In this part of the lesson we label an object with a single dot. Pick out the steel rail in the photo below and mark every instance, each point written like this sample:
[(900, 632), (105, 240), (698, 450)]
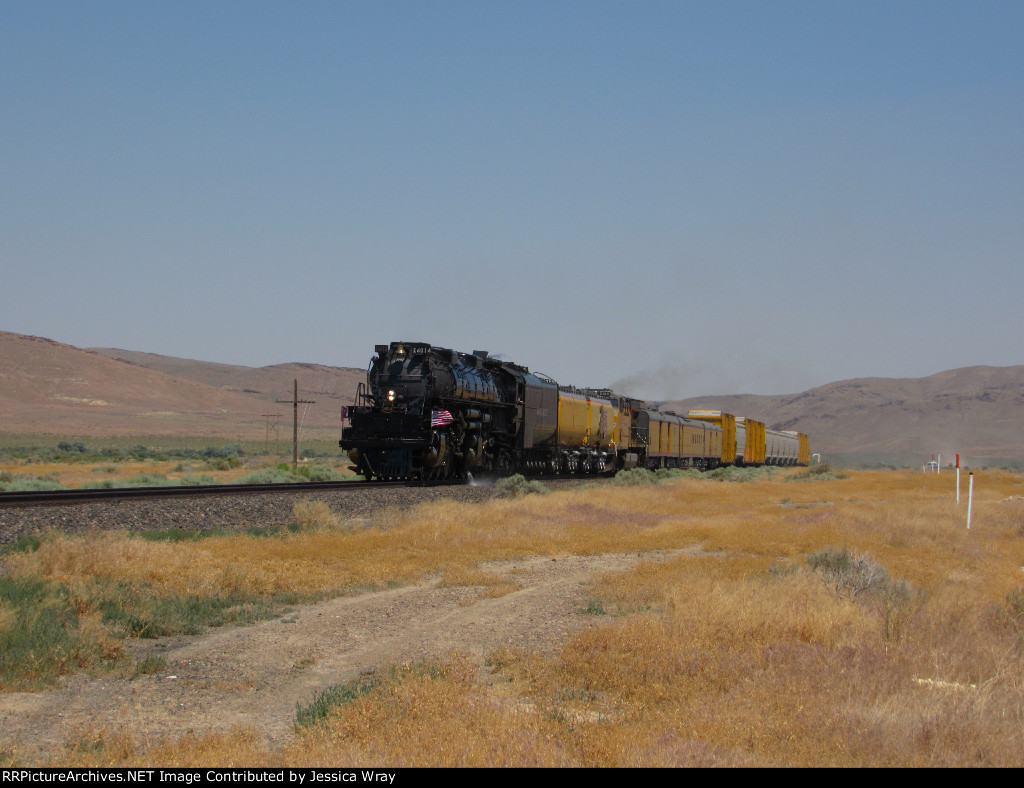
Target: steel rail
[(78, 495), (85, 495)]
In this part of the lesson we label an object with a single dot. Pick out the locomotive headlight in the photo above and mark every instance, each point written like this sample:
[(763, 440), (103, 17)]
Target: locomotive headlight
[(391, 395)]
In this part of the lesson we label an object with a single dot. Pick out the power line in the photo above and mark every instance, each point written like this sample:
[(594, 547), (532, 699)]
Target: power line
[(276, 427)]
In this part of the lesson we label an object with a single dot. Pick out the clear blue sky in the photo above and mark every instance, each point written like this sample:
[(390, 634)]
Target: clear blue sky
[(676, 198)]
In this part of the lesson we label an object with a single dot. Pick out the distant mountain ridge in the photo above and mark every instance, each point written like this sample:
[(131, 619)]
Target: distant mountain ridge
[(50, 388), (328, 387)]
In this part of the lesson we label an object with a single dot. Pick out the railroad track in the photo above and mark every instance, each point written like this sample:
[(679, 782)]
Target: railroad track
[(79, 495), (38, 497), (215, 508), (221, 507)]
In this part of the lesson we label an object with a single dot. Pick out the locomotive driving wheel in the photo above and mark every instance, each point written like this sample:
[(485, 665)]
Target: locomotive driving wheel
[(505, 464), (443, 466)]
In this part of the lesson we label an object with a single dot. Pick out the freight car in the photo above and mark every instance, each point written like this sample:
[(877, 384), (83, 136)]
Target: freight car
[(429, 412)]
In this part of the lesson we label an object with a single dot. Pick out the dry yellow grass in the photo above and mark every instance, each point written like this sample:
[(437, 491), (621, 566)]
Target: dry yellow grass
[(733, 653)]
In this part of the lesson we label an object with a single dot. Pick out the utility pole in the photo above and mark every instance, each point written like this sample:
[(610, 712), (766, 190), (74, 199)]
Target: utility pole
[(295, 401)]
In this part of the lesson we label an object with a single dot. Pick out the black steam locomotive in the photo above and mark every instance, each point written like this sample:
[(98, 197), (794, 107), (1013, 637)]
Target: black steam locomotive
[(431, 413)]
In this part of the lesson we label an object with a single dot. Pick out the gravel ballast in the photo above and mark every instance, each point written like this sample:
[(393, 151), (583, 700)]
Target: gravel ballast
[(204, 512)]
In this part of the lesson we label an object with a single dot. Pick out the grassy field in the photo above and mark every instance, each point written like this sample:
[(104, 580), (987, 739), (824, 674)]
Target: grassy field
[(26, 447), (851, 621), (33, 462), (49, 475)]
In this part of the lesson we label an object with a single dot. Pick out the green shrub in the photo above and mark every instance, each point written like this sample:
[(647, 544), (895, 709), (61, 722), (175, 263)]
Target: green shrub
[(148, 480), (517, 485), (820, 472), (859, 577), (283, 474), (324, 473), (22, 482), (223, 463), (737, 473), (276, 475), (635, 477), (102, 484), (728, 473), (639, 476), (195, 481), (848, 575), (233, 451)]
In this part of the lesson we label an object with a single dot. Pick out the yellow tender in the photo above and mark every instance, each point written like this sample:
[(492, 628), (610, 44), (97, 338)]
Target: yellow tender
[(584, 420)]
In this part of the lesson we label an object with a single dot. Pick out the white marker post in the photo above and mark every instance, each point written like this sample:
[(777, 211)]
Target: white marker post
[(958, 477), (938, 467), (970, 497)]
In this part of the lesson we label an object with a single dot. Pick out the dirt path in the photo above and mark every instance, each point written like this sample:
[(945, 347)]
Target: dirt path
[(255, 676)]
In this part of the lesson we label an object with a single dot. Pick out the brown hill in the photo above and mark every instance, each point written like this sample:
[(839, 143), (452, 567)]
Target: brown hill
[(976, 411), (328, 387), (51, 388)]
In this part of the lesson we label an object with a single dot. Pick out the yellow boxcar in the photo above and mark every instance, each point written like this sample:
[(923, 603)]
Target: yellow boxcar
[(589, 421), (727, 422)]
